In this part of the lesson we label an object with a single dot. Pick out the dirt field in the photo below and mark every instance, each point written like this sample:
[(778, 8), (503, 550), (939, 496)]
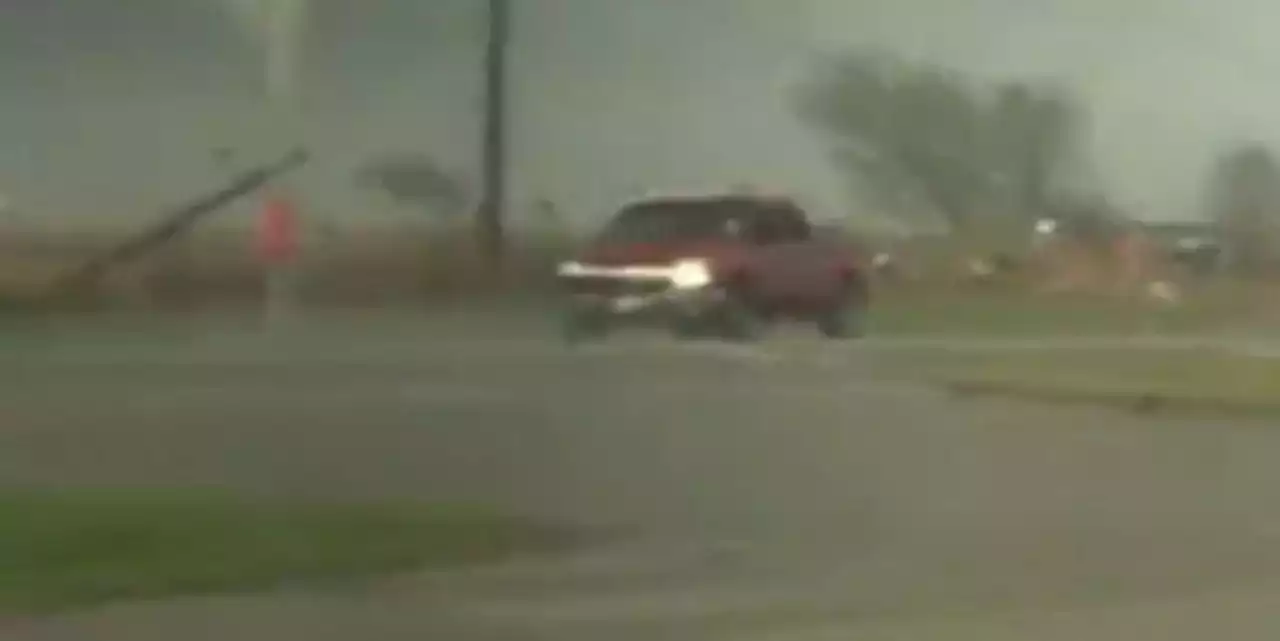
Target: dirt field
[(783, 491)]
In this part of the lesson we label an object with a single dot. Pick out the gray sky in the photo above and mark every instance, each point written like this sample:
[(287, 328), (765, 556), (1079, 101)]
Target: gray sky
[(110, 107)]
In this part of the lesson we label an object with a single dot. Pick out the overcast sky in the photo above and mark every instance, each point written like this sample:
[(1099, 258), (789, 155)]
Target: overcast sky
[(108, 109)]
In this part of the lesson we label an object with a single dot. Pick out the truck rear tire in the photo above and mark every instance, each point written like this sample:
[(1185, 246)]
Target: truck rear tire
[(847, 318)]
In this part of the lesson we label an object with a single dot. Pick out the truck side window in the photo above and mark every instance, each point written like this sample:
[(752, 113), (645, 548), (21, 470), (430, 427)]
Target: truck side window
[(789, 225), (799, 227), (765, 228)]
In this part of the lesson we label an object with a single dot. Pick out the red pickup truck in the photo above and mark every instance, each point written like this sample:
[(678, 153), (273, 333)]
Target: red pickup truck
[(721, 265)]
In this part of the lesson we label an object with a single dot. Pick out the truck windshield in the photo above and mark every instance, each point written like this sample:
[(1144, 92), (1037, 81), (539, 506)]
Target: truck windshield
[(656, 222)]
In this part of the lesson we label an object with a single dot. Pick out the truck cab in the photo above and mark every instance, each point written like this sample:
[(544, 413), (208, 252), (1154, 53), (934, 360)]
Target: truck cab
[(722, 264)]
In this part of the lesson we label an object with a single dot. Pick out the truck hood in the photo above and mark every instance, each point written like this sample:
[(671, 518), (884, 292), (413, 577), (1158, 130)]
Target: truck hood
[(646, 254)]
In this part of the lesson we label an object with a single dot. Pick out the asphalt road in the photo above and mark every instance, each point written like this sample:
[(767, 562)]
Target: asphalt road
[(784, 491)]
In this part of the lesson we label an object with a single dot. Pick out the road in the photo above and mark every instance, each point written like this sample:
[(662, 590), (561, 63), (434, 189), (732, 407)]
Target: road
[(777, 492)]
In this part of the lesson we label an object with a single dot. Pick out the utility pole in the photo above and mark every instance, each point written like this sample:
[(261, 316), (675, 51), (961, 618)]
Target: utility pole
[(489, 224), (283, 29)]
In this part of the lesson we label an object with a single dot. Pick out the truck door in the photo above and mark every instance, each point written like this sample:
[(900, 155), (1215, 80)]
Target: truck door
[(788, 271)]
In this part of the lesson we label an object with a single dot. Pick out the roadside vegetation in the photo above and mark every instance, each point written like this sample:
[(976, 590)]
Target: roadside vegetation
[(1019, 312), (61, 549), (1192, 381)]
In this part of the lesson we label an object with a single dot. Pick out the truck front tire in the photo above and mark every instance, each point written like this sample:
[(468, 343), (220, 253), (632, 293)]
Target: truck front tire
[(579, 325), (739, 320)]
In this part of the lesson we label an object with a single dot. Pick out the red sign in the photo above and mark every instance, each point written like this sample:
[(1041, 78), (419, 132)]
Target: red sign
[(278, 230)]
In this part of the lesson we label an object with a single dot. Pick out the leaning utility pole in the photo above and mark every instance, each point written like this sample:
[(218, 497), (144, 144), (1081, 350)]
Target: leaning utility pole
[(489, 224)]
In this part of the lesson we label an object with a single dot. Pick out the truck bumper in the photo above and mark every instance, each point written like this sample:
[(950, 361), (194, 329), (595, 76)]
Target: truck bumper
[(665, 307)]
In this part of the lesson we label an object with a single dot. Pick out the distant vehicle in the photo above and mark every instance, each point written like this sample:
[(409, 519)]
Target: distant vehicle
[(718, 265), (1202, 256)]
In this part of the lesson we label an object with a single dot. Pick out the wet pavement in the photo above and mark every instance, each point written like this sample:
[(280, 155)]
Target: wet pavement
[(779, 491)]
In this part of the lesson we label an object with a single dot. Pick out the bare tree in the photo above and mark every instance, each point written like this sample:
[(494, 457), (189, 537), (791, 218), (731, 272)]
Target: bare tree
[(415, 180), (918, 133), (1243, 194), (1034, 133)]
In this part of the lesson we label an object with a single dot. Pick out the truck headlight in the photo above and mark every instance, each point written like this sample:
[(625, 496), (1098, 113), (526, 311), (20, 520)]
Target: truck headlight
[(570, 268), (690, 274)]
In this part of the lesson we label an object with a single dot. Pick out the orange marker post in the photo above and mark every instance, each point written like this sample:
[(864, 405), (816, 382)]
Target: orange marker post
[(277, 245)]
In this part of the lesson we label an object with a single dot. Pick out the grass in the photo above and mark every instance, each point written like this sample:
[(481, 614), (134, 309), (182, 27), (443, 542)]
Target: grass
[(1175, 381), (1012, 313), (65, 549)]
